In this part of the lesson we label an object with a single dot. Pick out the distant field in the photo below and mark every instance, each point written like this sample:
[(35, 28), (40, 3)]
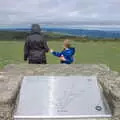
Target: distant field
[(86, 53)]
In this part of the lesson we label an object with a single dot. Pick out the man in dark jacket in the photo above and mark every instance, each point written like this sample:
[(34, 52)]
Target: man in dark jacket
[(35, 47)]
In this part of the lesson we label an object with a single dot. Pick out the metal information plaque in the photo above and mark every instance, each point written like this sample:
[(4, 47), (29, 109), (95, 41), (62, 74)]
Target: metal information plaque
[(61, 97)]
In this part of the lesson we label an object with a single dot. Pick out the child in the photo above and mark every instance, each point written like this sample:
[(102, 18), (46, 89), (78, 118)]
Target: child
[(66, 56)]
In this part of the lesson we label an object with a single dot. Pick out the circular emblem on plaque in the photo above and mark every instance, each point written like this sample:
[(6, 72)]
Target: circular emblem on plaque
[(98, 108)]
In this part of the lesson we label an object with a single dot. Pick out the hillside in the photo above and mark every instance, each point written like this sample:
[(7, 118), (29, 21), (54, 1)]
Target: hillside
[(52, 36)]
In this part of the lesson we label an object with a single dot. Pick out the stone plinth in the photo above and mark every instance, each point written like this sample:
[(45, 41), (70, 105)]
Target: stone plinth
[(12, 75)]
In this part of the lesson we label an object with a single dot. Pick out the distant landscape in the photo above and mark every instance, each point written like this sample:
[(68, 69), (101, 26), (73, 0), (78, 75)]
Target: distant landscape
[(89, 49), (112, 34)]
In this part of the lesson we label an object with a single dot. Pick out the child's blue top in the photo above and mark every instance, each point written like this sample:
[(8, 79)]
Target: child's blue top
[(68, 55)]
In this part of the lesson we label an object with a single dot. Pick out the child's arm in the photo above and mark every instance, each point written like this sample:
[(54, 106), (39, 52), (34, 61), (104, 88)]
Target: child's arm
[(62, 58), (57, 54)]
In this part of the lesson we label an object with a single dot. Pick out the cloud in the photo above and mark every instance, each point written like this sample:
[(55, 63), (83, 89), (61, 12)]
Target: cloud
[(25, 12)]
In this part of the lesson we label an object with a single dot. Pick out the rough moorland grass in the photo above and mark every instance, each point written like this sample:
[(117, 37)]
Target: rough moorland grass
[(88, 53)]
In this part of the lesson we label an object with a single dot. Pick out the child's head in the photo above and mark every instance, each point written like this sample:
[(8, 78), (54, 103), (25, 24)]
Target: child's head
[(67, 43)]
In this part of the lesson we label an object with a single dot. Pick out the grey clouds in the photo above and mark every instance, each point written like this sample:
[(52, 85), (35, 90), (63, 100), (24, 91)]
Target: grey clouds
[(48, 12)]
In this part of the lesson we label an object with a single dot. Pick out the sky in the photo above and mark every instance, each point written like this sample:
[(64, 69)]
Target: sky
[(60, 12)]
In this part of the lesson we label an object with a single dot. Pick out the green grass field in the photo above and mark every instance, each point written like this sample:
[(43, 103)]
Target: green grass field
[(86, 53)]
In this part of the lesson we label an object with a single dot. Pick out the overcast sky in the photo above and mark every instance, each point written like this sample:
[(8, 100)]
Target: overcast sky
[(71, 12)]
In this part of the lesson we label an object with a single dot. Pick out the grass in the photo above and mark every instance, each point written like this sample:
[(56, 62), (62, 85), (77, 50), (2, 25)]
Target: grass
[(86, 53)]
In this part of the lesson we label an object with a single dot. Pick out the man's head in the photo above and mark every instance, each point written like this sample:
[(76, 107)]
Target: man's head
[(36, 28), (67, 43)]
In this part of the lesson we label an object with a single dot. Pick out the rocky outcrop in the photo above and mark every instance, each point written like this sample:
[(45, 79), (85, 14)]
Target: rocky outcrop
[(11, 77)]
